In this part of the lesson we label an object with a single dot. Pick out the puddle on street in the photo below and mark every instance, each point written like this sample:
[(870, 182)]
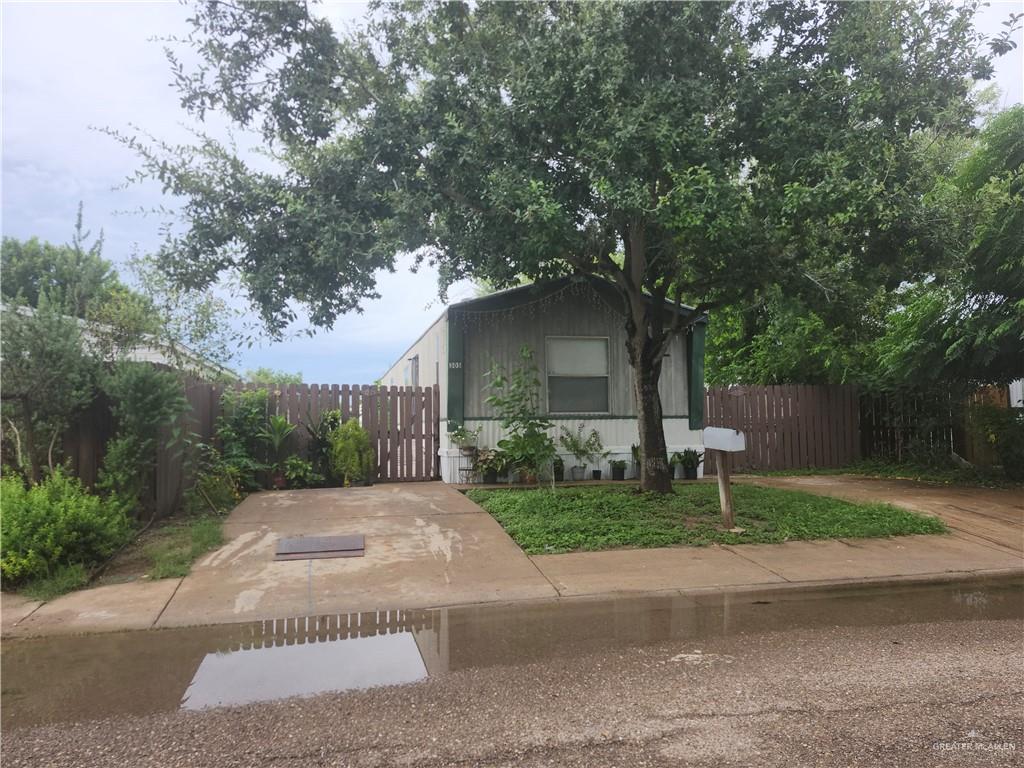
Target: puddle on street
[(83, 677)]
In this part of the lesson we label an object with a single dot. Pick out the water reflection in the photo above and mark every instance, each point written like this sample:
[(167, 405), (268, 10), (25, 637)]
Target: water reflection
[(93, 676)]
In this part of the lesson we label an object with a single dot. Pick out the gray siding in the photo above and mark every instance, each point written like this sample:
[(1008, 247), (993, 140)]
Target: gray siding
[(499, 336)]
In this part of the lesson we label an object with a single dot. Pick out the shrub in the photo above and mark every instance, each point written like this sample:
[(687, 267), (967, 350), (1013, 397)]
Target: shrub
[(242, 420), (352, 457), (56, 523), (1003, 429), (144, 401), (320, 432), (300, 473)]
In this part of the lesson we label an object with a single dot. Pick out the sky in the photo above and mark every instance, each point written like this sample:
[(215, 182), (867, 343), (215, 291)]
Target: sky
[(70, 67)]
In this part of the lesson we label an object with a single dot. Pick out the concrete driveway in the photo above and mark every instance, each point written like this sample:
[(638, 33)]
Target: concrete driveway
[(426, 545)]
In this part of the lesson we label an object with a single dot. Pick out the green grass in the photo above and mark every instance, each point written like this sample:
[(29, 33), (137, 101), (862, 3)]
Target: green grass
[(586, 519), (973, 477), (180, 545), (66, 578)]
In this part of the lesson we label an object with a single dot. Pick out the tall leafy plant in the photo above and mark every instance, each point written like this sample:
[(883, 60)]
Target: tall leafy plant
[(145, 402), (515, 397)]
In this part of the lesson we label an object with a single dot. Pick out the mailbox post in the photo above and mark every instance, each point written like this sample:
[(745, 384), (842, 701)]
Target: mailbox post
[(723, 442)]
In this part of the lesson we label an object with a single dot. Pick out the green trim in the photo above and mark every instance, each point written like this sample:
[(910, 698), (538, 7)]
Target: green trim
[(695, 373), (580, 417), (456, 372)]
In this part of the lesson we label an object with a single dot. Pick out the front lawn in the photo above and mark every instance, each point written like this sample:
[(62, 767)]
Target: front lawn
[(604, 517)]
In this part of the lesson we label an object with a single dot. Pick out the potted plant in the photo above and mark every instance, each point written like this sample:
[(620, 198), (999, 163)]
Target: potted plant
[(588, 449), (465, 439), (486, 464), (558, 469), (618, 469), (274, 434), (689, 460)]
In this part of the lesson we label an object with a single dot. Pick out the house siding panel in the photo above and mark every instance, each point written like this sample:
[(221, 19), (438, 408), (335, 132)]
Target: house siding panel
[(499, 338), (432, 349)]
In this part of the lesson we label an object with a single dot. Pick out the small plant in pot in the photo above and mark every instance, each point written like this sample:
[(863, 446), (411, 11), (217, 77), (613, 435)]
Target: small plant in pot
[(558, 469), (689, 460), (274, 433), (487, 463), (585, 449), (618, 469), (464, 438)]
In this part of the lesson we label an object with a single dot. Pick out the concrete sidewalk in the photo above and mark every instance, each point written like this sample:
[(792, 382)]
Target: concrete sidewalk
[(429, 546)]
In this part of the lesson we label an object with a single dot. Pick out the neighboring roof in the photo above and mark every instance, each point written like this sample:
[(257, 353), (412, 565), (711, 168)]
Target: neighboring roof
[(151, 351), (523, 294)]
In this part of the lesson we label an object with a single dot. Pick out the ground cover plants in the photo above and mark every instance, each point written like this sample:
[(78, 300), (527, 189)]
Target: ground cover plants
[(606, 517)]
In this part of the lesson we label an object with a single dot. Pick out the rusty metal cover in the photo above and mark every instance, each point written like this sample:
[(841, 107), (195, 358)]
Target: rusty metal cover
[(309, 547)]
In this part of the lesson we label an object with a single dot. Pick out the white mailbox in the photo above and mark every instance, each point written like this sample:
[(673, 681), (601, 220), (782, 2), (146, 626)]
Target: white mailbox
[(723, 439)]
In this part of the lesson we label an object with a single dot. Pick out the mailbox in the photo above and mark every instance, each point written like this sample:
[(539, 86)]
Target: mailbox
[(723, 439)]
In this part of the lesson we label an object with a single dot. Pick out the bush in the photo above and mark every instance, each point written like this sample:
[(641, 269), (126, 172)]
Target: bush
[(300, 473), (1003, 429), (54, 524), (239, 428), (217, 484), (352, 458)]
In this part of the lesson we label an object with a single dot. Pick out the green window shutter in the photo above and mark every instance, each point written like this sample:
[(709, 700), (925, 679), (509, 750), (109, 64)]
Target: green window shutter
[(456, 372), (695, 373)]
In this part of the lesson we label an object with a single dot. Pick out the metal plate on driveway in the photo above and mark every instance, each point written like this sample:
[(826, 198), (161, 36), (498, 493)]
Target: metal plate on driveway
[(317, 547)]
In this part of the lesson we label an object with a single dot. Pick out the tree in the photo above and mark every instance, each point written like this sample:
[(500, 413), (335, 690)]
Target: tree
[(73, 276), (272, 378), (47, 379), (715, 145)]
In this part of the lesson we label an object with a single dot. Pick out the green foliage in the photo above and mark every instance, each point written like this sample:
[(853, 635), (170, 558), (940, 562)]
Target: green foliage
[(173, 553), (570, 519), (145, 401), (618, 463), (300, 473), (64, 579), (1003, 429), (243, 418), (690, 458), (46, 379), (586, 449), (515, 397), (275, 433), (55, 523), (218, 484), (73, 277), (319, 446), (272, 378), (462, 436), (352, 457)]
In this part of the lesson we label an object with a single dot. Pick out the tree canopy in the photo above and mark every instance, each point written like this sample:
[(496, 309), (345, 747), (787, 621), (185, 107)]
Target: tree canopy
[(718, 146)]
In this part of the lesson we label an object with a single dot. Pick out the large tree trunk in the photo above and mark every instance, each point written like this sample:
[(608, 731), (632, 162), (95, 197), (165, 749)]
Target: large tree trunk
[(644, 343)]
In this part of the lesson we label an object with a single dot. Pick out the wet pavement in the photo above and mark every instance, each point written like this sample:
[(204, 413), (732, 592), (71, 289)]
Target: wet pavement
[(126, 674)]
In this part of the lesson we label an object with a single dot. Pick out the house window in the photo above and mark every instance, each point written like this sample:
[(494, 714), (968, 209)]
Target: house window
[(577, 368)]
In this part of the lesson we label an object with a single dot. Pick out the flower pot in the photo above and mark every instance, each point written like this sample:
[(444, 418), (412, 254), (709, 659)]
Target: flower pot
[(467, 450), (577, 473), (596, 474), (277, 480), (559, 473), (689, 473), (491, 476), (618, 473), (528, 478)]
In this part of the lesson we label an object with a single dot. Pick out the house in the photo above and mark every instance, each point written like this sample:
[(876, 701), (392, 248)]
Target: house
[(575, 327)]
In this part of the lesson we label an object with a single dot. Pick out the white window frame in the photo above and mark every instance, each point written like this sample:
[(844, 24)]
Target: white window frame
[(548, 375)]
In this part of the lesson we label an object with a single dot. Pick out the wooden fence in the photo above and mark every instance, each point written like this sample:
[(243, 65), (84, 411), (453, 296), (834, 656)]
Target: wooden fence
[(402, 423), (789, 426)]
